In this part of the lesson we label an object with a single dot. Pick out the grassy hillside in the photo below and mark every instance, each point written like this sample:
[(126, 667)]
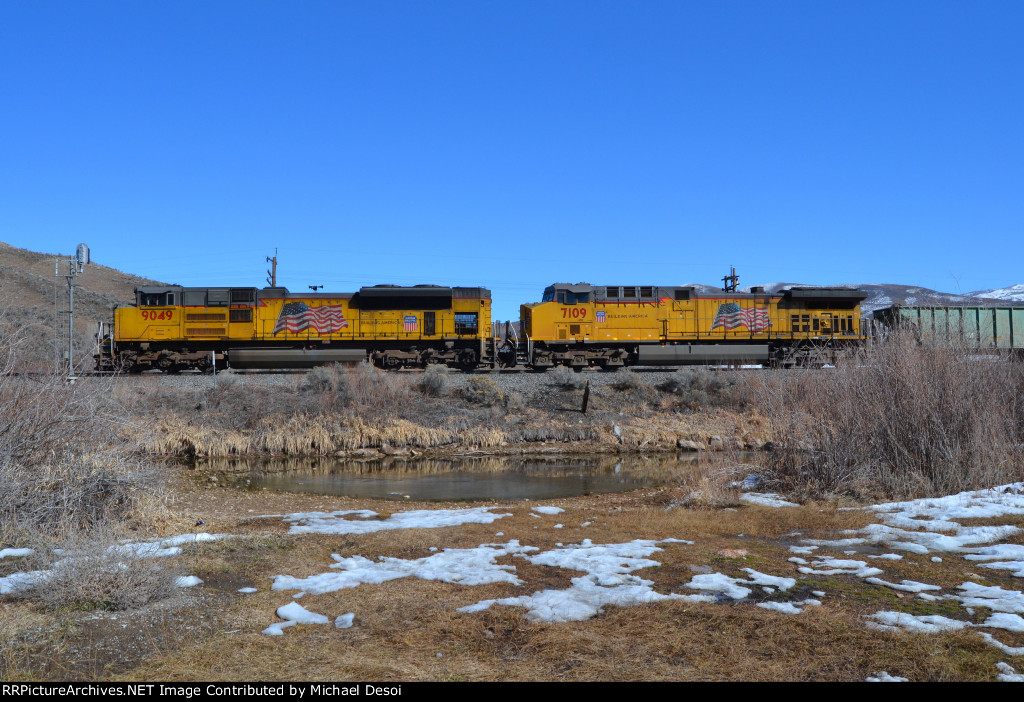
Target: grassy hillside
[(28, 289)]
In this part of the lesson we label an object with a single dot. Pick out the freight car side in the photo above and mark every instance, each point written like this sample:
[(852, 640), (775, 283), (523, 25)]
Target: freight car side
[(984, 328)]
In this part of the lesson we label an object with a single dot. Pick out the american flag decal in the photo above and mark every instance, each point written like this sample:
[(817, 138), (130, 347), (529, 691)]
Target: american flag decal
[(732, 316), (410, 323), (298, 316)]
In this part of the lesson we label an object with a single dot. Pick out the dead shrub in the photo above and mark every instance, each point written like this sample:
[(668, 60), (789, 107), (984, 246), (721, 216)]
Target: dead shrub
[(64, 469), (434, 382), (903, 419), (628, 381), (91, 575), (514, 402), (713, 487), (481, 390), (565, 378), (337, 388), (71, 494), (697, 387)]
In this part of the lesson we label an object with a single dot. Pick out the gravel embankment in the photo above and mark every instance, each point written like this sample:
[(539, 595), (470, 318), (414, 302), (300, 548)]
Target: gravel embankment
[(525, 383)]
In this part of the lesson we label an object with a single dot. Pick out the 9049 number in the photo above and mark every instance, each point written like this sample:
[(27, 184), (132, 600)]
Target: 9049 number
[(165, 315)]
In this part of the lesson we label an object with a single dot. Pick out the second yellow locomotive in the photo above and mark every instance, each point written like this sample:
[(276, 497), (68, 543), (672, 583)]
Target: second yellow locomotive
[(611, 326)]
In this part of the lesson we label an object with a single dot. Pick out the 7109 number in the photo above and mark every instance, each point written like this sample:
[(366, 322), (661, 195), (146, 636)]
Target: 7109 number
[(165, 315), (574, 312)]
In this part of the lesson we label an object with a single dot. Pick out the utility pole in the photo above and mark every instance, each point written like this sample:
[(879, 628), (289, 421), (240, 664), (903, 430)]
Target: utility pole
[(272, 273), (730, 281), (76, 266)]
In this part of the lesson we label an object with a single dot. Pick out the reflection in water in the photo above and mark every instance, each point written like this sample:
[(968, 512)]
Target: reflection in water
[(460, 478)]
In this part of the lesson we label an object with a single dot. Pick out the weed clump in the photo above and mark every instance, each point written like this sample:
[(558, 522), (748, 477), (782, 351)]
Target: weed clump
[(566, 378), (363, 386), (481, 390), (434, 382), (93, 576), (627, 381), (696, 387)]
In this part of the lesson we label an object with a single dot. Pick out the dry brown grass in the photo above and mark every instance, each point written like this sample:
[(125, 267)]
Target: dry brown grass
[(63, 468), (402, 625)]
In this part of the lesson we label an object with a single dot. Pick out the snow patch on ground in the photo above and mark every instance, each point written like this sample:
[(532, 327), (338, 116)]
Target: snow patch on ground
[(923, 624), (837, 566), (160, 548), (543, 509), (464, 566), (789, 607), (608, 580), (905, 585), (1008, 674), (767, 499), (293, 613), (14, 552), (723, 587), (340, 523)]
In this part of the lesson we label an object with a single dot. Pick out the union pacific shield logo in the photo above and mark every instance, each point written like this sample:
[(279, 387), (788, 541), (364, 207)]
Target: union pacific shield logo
[(298, 316), (410, 323), (732, 316)]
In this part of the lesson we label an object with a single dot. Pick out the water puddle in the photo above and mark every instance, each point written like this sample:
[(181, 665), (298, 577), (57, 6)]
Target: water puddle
[(460, 478)]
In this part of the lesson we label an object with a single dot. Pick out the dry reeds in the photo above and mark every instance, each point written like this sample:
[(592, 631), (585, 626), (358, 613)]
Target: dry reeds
[(901, 419), (63, 468)]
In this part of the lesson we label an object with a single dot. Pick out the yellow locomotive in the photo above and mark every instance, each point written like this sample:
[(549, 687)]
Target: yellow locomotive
[(175, 328), (611, 326)]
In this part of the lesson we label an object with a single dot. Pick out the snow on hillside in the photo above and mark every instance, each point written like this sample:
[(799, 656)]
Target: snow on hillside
[(882, 295), (1013, 293)]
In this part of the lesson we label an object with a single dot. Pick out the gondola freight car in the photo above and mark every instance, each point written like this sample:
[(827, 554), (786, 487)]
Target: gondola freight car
[(984, 328)]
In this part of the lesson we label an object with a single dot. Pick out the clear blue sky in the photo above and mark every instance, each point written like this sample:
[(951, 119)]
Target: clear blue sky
[(513, 144)]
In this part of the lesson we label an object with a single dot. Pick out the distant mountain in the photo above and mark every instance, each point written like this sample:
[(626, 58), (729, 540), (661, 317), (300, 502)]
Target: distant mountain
[(1014, 293), (882, 295)]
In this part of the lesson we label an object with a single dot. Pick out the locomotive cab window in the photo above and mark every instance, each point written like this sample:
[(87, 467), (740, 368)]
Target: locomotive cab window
[(465, 324), (612, 293), (156, 299)]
